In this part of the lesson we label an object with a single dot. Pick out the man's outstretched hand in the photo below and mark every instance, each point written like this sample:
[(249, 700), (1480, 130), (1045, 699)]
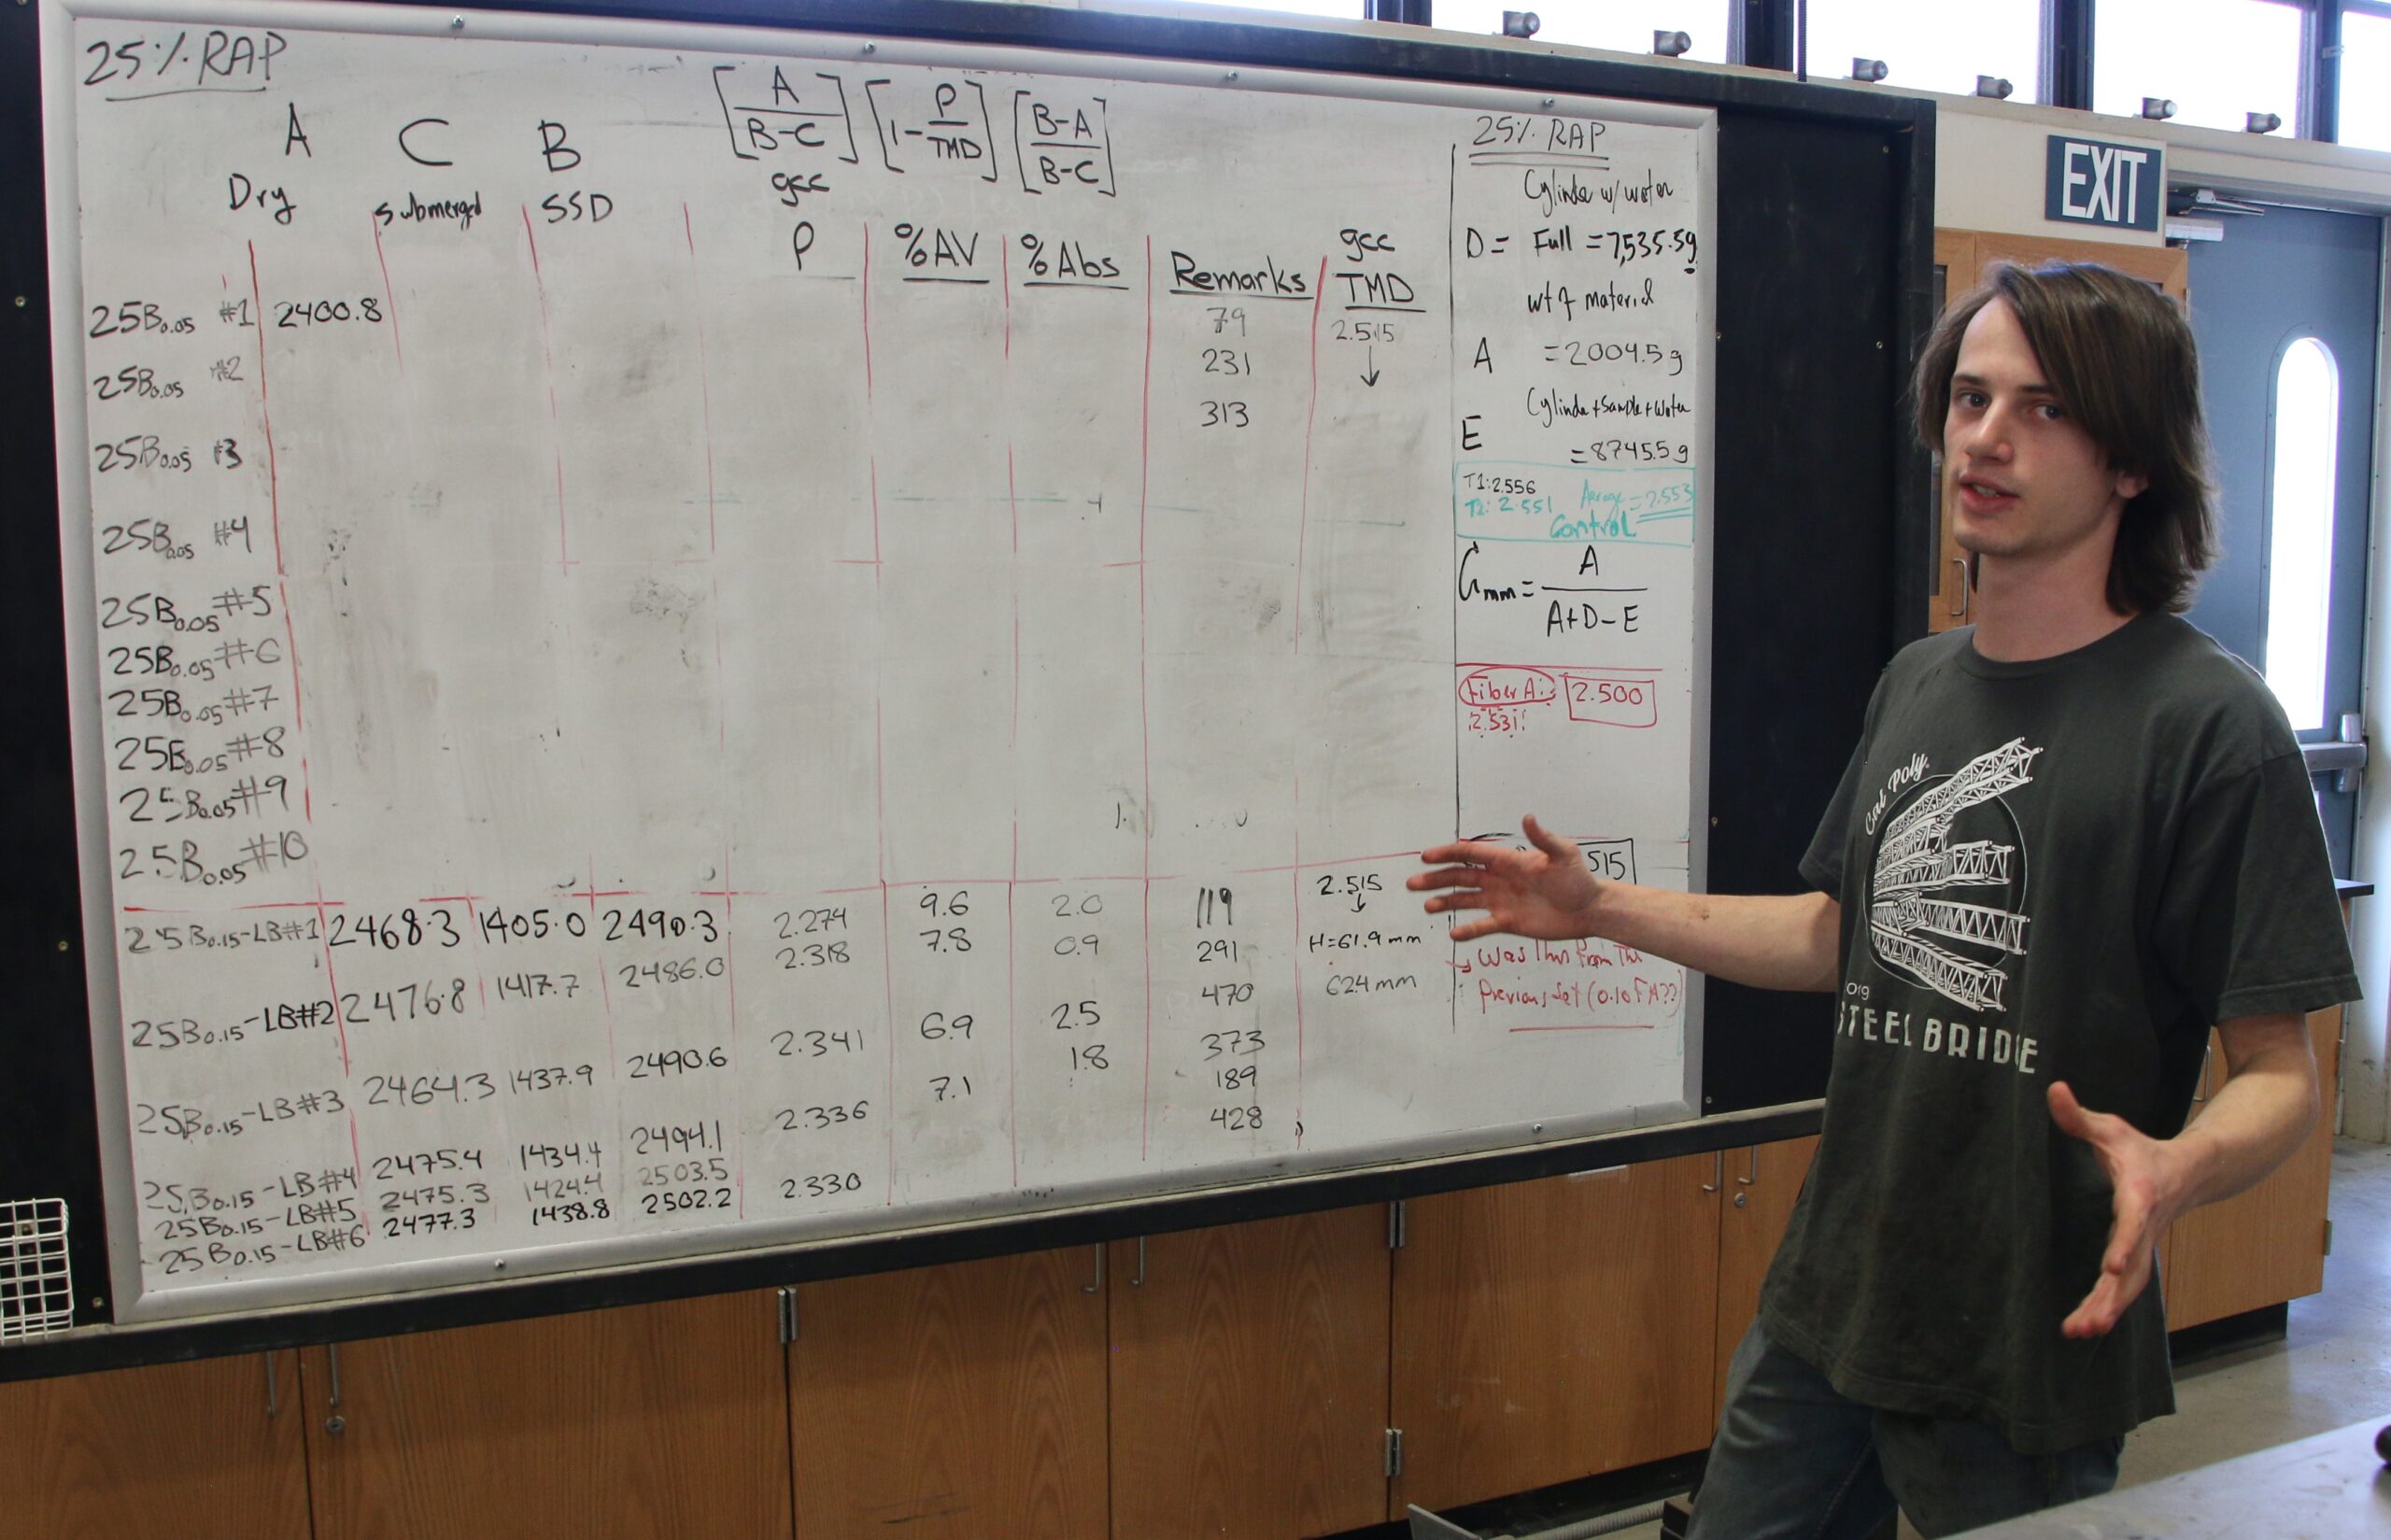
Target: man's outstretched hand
[(1546, 892), (2142, 1203)]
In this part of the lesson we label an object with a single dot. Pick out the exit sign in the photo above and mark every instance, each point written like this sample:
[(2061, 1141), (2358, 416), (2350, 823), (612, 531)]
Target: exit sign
[(2090, 181)]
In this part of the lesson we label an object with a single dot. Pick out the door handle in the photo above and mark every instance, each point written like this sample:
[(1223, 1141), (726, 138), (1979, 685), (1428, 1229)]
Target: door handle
[(336, 1423)]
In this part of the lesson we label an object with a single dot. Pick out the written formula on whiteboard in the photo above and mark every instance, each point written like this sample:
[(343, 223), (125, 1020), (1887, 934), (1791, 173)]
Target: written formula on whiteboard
[(694, 648)]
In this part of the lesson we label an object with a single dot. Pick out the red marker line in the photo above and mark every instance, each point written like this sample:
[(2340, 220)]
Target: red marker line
[(273, 501), (388, 299), (728, 894), (1012, 739), (1145, 727), (547, 355), (474, 929), (1592, 1026), (1311, 412), (265, 406), (1294, 881), (1315, 866), (605, 989), (887, 934), (298, 700), (1100, 877), (1012, 1071), (339, 1017), (705, 407)]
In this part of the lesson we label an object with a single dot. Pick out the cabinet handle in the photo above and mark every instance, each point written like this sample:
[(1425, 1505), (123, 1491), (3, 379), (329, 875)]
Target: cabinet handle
[(1959, 610), (1139, 1281), (1751, 1169), (1097, 1287), (1718, 1171), (336, 1423), (2202, 1093), (273, 1399)]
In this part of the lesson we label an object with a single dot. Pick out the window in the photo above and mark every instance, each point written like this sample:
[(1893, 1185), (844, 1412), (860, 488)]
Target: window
[(2299, 528), (2366, 80), (2217, 60), (1931, 47), (1624, 26)]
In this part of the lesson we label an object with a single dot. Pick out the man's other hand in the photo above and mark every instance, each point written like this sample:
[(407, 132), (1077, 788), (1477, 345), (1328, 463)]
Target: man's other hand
[(1547, 891), (2143, 1201)]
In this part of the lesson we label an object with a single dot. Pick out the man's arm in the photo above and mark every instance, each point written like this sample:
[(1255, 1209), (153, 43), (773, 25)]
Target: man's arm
[(2266, 1107), (1547, 892)]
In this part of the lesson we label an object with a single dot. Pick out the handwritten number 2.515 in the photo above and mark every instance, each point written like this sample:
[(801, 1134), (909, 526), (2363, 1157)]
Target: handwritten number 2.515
[(1225, 413)]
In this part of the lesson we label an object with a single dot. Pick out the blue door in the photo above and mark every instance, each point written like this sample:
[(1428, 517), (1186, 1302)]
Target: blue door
[(2284, 308)]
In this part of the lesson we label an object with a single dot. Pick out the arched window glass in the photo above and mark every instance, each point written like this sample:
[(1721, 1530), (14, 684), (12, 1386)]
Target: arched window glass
[(2299, 528)]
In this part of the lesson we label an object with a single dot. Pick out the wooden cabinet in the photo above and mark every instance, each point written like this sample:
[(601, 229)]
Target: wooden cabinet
[(1961, 257), (649, 1424), (2267, 1245), (951, 1403), (1550, 1329), (172, 1451), (1249, 1378), (1758, 1185)]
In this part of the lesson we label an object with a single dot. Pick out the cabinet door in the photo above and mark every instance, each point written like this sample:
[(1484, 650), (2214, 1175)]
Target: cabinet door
[(2267, 1245), (1552, 1329), (1250, 1379), (952, 1402), (1760, 1183), (661, 1420), (174, 1451)]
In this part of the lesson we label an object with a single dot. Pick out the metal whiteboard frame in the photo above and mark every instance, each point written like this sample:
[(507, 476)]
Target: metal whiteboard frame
[(717, 1243)]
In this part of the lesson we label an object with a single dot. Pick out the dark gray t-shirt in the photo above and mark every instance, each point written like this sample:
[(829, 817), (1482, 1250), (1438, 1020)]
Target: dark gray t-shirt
[(2068, 869)]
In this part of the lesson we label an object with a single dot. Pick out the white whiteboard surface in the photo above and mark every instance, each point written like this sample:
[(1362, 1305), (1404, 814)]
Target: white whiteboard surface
[(687, 640)]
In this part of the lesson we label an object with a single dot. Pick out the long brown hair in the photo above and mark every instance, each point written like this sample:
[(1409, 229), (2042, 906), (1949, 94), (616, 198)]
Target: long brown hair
[(2120, 356)]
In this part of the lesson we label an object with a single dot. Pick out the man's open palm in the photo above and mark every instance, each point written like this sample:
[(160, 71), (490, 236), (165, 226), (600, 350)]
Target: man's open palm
[(1546, 892), (2139, 1210)]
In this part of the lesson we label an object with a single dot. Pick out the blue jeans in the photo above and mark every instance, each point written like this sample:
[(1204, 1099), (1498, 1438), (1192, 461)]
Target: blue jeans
[(1796, 1459)]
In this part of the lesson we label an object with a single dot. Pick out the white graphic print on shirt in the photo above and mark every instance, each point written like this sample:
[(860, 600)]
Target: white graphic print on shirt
[(1924, 854)]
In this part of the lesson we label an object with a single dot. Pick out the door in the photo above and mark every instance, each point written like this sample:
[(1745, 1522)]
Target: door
[(1760, 1183), (1249, 1372), (654, 1422), (952, 1403), (1549, 1330), (210, 1450), (2281, 286)]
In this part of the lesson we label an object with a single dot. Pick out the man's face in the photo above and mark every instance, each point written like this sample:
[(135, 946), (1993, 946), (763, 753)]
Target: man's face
[(2019, 478)]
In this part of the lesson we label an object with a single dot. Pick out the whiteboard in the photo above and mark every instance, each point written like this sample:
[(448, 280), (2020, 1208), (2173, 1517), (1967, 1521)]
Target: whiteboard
[(690, 640)]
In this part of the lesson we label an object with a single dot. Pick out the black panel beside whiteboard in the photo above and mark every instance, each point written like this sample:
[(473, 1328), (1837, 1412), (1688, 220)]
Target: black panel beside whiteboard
[(862, 644)]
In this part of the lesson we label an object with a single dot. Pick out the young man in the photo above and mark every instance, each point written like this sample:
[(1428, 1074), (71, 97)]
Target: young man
[(2072, 839)]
